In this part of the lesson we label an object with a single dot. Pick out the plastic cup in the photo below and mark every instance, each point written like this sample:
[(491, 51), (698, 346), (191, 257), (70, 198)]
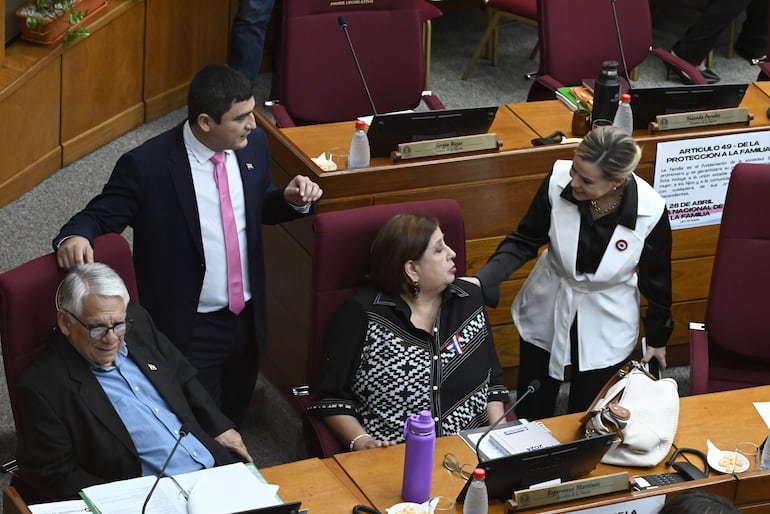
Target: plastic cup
[(441, 505), (338, 158), (750, 452)]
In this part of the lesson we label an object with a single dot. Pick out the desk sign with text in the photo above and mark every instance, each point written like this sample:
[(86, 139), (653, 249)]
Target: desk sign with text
[(692, 174), (572, 490), (700, 119), (445, 146)]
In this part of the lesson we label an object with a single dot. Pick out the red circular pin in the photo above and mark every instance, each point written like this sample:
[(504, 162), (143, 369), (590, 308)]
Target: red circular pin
[(621, 245)]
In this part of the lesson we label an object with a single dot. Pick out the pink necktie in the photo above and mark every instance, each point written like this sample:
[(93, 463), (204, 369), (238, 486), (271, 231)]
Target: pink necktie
[(234, 275)]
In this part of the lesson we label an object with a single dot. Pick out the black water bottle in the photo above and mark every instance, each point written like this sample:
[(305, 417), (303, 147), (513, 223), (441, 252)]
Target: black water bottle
[(606, 94)]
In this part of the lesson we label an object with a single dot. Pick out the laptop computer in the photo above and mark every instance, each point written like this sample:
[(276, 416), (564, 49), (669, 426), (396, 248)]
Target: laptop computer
[(647, 103), (566, 461), (388, 130)]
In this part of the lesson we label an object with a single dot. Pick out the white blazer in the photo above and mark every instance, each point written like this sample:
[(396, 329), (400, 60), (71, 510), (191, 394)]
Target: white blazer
[(606, 302)]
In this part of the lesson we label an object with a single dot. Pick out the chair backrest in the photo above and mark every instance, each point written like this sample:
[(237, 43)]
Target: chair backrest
[(739, 296), (341, 258), (319, 78), (27, 305), (576, 37)]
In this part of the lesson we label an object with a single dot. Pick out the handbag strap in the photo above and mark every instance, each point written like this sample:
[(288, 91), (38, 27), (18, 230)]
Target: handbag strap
[(618, 411)]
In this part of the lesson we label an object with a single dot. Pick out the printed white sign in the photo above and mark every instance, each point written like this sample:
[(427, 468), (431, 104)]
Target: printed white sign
[(692, 174)]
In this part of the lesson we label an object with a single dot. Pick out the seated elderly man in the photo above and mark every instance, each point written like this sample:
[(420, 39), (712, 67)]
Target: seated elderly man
[(108, 399)]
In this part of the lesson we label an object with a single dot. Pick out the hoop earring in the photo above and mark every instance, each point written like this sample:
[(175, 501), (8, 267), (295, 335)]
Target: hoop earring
[(415, 289)]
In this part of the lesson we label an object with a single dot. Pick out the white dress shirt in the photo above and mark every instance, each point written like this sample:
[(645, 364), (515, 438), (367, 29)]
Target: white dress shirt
[(214, 292)]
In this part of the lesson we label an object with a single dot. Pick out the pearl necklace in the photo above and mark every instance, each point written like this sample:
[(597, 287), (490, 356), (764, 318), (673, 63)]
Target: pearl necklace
[(614, 204)]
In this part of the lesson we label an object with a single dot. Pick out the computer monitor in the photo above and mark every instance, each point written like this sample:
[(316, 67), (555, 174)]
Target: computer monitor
[(566, 461), (387, 131), (647, 103)]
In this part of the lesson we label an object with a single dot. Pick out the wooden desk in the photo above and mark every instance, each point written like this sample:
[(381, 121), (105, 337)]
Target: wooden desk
[(321, 485), (373, 477), (494, 191), (378, 472)]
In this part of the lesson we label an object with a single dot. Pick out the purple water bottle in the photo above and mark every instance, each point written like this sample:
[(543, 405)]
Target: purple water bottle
[(420, 436)]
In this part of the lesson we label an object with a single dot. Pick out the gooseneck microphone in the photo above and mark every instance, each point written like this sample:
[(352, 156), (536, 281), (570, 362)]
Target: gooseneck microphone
[(182, 433), (343, 23), (531, 388), (620, 43)]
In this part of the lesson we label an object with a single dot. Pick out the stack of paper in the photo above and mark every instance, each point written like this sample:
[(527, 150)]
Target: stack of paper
[(220, 490), (522, 438)]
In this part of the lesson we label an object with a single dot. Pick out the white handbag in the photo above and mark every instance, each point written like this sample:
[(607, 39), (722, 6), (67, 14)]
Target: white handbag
[(643, 411)]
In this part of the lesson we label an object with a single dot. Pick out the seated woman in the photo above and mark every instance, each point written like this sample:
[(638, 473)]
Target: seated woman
[(417, 339)]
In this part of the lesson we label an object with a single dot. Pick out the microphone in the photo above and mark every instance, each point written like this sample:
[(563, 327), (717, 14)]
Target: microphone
[(182, 433), (620, 43), (343, 23), (531, 388)]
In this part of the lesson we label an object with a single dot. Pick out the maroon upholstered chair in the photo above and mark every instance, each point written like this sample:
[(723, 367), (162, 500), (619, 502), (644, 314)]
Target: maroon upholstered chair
[(319, 78), (28, 311), (524, 11), (575, 37), (732, 350), (340, 268)]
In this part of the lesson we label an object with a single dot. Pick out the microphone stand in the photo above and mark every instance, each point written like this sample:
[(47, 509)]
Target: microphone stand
[(182, 433), (620, 43), (343, 23), (531, 388)]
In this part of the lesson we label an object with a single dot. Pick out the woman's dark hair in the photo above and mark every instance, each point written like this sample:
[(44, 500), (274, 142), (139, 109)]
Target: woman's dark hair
[(214, 89), (402, 238), (698, 502)]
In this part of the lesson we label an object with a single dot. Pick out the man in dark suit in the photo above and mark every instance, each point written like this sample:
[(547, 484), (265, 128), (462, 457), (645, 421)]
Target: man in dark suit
[(108, 399), (166, 190)]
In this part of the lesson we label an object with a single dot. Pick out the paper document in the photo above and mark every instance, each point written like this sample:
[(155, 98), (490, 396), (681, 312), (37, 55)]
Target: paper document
[(62, 507), (522, 438), (764, 410), (491, 449), (220, 490)]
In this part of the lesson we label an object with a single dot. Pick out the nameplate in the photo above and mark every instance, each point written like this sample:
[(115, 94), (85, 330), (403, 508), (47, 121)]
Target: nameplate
[(572, 490), (445, 146), (700, 119)]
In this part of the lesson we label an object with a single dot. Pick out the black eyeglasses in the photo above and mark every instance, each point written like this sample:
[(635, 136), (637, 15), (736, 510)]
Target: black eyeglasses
[(452, 463), (97, 332)]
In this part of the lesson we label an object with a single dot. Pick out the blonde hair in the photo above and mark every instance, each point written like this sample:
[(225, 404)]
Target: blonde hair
[(615, 152)]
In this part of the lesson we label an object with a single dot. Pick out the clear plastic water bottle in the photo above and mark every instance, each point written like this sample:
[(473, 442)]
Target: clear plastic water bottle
[(476, 498), (358, 155), (606, 93), (420, 436), (624, 118)]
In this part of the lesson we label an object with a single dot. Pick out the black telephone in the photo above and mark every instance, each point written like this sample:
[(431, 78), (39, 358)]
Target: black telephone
[(685, 471)]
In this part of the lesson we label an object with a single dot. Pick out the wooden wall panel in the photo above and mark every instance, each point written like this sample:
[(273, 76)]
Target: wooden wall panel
[(101, 102), (31, 108), (180, 38)]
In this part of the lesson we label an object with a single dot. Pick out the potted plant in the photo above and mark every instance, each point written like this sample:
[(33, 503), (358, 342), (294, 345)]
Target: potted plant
[(50, 21)]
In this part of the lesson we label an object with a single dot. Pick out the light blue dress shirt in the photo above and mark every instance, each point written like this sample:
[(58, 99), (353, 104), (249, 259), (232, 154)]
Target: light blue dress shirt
[(153, 427)]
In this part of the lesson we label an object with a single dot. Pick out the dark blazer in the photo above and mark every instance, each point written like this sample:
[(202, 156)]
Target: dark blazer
[(151, 190), (70, 434)]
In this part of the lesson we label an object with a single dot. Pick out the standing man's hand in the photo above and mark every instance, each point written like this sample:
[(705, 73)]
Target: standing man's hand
[(301, 190), (73, 251), (232, 440)]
